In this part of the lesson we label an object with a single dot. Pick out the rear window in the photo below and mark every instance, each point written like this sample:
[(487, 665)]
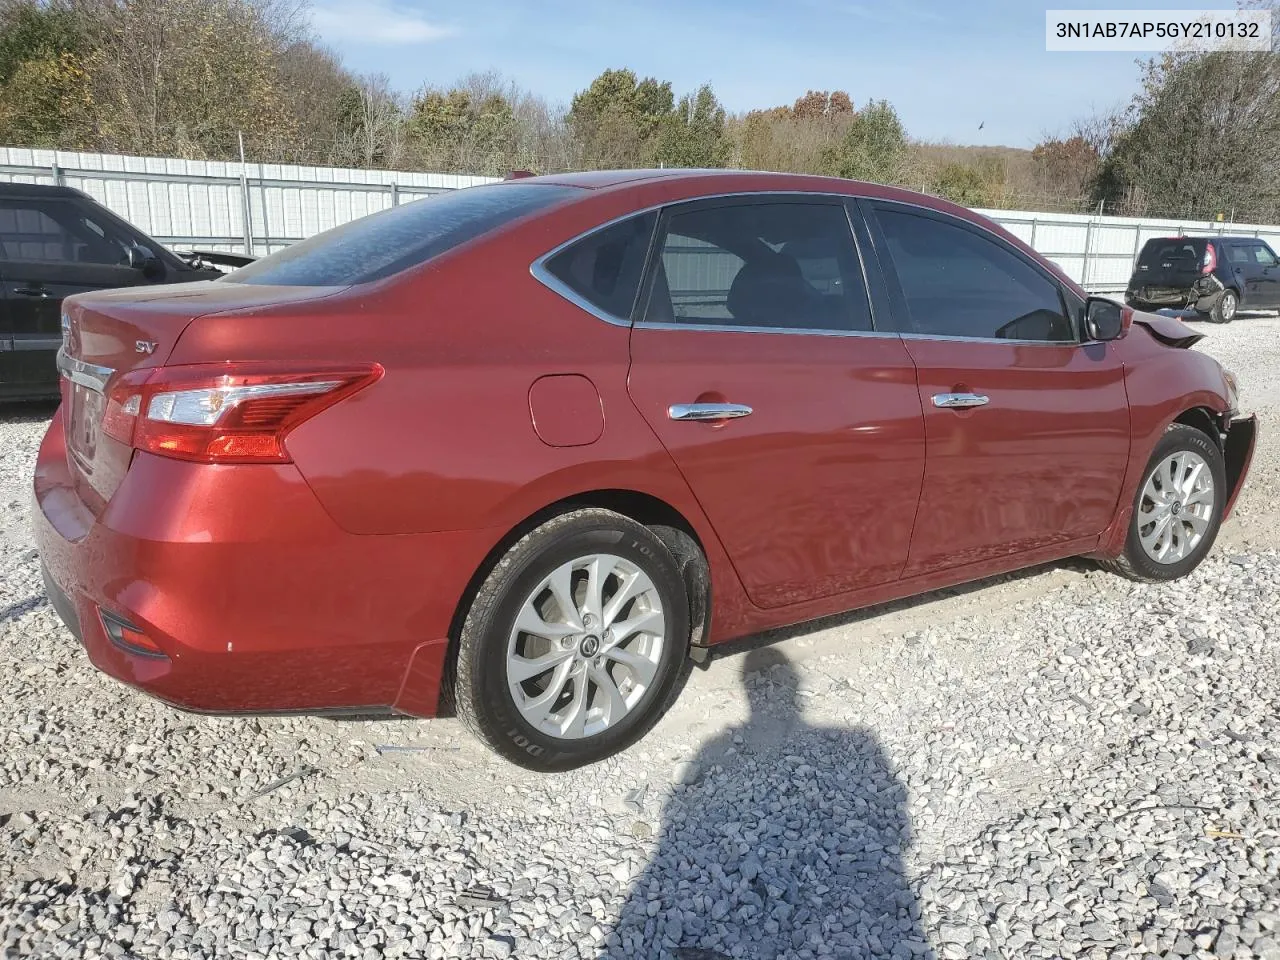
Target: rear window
[(384, 243), (1167, 250)]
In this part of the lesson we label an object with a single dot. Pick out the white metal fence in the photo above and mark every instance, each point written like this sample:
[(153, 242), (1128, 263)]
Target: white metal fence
[(258, 208), (1098, 252), (212, 205)]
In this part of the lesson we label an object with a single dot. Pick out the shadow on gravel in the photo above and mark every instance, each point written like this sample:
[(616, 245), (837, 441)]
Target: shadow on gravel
[(27, 411), (22, 607), (792, 838)]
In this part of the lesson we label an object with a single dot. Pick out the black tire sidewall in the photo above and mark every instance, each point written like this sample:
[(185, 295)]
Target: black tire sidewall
[(1179, 437), (507, 730), (1218, 315)]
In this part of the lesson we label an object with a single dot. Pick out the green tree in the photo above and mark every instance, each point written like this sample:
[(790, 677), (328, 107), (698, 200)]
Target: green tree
[(874, 146), (964, 184), (45, 100), (694, 135), (618, 119), (1201, 138), (458, 131)]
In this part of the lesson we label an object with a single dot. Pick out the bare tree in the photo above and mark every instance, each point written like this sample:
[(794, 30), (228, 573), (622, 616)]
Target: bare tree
[(375, 124), (319, 93), (1101, 129), (181, 76)]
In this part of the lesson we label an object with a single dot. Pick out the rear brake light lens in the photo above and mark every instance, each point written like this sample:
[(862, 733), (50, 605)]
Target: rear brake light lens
[(1210, 262), (225, 413)]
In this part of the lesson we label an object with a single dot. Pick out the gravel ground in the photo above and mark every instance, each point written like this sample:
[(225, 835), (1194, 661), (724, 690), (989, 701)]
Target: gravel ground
[(1055, 764)]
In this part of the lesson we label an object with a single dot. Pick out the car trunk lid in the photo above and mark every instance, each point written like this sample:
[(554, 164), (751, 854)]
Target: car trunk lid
[(110, 334)]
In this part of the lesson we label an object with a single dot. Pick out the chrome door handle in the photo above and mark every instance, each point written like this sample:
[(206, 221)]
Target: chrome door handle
[(958, 401), (39, 292), (708, 411)]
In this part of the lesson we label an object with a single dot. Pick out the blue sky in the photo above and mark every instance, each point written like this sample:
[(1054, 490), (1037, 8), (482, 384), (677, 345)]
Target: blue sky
[(946, 66)]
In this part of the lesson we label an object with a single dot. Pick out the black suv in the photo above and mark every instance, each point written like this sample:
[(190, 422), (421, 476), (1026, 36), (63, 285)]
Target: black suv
[(55, 241), (1214, 275)]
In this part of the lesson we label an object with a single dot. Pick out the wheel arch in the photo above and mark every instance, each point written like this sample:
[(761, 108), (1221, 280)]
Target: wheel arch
[(1234, 288), (671, 526), (1199, 415), (1204, 420)]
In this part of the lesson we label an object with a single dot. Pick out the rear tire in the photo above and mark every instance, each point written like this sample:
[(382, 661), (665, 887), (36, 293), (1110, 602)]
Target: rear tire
[(1224, 311), (1177, 510), (608, 619)]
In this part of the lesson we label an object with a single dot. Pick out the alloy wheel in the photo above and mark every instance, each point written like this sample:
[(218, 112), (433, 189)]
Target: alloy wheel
[(1176, 507), (585, 647)]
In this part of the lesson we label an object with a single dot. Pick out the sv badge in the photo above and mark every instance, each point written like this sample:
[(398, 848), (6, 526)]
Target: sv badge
[(144, 346)]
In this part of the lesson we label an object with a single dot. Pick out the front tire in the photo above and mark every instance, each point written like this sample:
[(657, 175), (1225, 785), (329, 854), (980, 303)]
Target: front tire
[(576, 642), (1178, 508)]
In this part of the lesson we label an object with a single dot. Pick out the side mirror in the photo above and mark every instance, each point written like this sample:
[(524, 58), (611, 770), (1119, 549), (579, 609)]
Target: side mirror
[(1105, 319), (144, 259)]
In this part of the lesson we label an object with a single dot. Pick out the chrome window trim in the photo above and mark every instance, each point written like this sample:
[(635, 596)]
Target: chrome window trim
[(1004, 243), (540, 272), (91, 375), (1011, 342), (544, 276), (553, 283), (969, 223), (804, 331)]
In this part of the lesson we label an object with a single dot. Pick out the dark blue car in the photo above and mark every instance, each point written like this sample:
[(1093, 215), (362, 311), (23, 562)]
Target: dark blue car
[(1216, 276)]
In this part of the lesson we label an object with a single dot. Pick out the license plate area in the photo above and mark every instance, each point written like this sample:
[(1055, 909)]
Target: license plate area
[(84, 425)]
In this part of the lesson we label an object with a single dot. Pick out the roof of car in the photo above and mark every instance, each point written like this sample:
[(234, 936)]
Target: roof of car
[(37, 190), (1219, 237), (603, 179)]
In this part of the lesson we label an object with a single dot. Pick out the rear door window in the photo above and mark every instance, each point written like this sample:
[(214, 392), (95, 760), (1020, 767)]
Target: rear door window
[(766, 264), (604, 267), (1239, 253), (384, 243)]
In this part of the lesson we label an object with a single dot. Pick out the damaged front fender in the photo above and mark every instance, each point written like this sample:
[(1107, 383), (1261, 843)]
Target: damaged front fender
[(1237, 451)]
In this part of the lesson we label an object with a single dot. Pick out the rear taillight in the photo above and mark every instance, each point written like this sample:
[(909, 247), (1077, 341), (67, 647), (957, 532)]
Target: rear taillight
[(225, 412), (1210, 261)]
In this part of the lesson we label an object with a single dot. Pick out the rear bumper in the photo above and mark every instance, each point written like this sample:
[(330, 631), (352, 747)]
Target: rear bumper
[(1202, 297), (258, 601)]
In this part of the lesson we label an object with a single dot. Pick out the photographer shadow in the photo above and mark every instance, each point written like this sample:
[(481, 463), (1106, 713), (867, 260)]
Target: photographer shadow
[(792, 839)]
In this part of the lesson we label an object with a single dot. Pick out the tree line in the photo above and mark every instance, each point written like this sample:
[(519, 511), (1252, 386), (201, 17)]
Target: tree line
[(190, 78)]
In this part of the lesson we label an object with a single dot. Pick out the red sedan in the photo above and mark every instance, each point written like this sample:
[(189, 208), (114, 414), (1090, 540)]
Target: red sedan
[(530, 448)]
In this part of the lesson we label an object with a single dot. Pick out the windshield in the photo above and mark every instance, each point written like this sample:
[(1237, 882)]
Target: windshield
[(384, 243)]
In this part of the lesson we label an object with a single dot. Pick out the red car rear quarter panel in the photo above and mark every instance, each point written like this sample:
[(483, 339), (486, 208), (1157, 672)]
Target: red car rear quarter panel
[(446, 440)]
